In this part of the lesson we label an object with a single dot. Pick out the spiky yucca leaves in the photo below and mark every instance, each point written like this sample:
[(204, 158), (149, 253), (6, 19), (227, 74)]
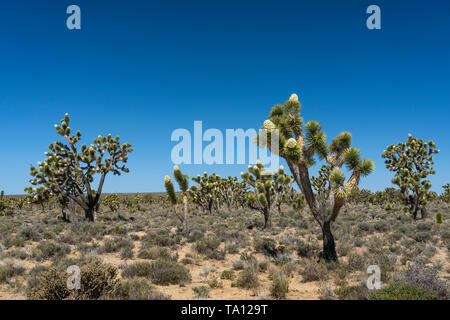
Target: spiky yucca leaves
[(40, 196), (412, 162), (283, 184), (183, 182), (232, 192), (301, 146), (112, 201), (207, 193), (445, 196), (70, 171), (266, 190), (3, 204)]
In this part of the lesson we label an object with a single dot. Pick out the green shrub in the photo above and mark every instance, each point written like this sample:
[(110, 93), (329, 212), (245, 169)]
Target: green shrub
[(248, 278), (139, 289), (314, 272), (161, 272), (400, 291), (207, 244), (50, 249), (439, 217), (280, 286), (201, 292), (228, 275), (9, 270), (381, 226), (97, 281)]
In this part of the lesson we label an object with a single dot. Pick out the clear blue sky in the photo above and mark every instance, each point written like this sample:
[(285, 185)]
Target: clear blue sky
[(141, 69)]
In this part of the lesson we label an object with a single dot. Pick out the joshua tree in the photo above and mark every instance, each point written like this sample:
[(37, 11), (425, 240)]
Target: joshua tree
[(40, 196), (265, 195), (183, 182), (446, 194), (298, 146), (283, 184), (230, 191), (3, 204), (63, 202), (112, 201), (70, 172), (207, 193), (412, 162)]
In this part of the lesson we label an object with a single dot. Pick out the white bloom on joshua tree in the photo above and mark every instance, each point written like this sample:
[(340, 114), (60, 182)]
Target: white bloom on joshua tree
[(291, 143), (269, 125), (293, 97)]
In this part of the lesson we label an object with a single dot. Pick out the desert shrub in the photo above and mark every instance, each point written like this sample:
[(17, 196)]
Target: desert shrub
[(139, 289), (162, 238), (280, 286), (215, 283), (161, 272), (116, 244), (149, 253), (314, 272), (419, 276), (50, 249), (248, 278), (227, 274), (381, 226), (9, 270), (385, 260), (355, 262), (266, 246), (238, 264), (97, 281), (343, 249), (424, 226), (325, 291), (207, 244), (305, 250), (19, 254), (137, 269), (31, 233), (400, 291), (365, 226), (358, 292), (201, 292), (232, 247), (422, 236), (195, 235), (126, 253), (263, 266)]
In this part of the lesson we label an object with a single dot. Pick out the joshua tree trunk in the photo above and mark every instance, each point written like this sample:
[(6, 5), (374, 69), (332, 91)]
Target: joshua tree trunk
[(64, 216), (89, 214), (185, 207), (267, 220), (329, 249)]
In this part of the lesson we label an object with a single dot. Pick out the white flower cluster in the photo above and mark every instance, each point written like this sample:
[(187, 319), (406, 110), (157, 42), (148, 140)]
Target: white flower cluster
[(291, 143)]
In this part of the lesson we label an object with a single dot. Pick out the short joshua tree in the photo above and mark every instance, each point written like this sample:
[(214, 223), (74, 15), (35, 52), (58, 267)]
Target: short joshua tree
[(183, 182), (299, 144), (266, 191), (70, 171), (412, 162), (207, 194)]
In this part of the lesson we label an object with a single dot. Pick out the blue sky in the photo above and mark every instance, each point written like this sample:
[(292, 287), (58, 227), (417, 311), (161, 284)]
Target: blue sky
[(141, 69)]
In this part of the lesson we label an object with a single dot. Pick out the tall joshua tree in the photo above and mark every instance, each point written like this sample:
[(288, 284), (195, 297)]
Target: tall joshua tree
[(412, 162), (70, 172), (299, 144)]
